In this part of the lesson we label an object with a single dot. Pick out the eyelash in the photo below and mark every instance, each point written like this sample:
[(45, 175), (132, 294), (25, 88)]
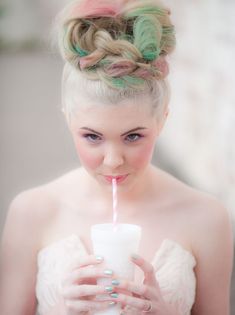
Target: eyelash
[(90, 137)]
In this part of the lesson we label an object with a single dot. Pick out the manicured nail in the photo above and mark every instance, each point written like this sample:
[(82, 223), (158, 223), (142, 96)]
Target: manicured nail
[(108, 272), (99, 258), (134, 256), (115, 282), (112, 303), (109, 289), (114, 295)]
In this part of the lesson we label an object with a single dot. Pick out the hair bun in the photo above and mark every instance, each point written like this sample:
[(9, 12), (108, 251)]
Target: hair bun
[(121, 42)]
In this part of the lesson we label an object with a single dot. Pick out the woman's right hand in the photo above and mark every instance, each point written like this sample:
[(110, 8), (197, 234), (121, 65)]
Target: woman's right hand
[(79, 287)]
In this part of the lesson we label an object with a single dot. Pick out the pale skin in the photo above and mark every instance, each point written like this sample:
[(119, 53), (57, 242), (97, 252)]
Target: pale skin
[(149, 197)]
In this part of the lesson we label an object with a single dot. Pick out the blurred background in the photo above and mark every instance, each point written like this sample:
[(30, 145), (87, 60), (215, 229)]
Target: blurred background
[(197, 144)]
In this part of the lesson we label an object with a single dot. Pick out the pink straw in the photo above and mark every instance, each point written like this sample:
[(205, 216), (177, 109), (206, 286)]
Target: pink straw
[(114, 186)]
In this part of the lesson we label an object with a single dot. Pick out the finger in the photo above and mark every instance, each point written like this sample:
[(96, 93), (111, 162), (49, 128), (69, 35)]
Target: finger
[(141, 290), (86, 306), (78, 275), (140, 304), (75, 291), (83, 261), (147, 268)]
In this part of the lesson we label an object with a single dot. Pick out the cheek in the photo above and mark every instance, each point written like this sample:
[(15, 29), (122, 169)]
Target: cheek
[(142, 156), (88, 157)]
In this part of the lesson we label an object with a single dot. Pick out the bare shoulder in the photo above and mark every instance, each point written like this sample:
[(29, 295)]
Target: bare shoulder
[(33, 210), (207, 218), (211, 225), (201, 206), (19, 246), (212, 245), (211, 231), (29, 212), (207, 225)]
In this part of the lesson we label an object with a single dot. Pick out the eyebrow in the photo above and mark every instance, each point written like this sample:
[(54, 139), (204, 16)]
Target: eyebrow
[(124, 134)]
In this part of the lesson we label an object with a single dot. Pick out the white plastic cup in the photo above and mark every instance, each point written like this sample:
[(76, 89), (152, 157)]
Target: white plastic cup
[(116, 246)]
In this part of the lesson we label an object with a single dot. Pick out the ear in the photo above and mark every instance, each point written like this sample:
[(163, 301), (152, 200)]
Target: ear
[(162, 120)]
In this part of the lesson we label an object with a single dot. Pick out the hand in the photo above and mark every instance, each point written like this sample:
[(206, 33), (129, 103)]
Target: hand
[(79, 287), (136, 299)]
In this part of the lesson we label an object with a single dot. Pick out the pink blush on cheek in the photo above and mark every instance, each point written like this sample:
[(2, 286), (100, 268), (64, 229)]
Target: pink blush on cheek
[(143, 156), (88, 158)]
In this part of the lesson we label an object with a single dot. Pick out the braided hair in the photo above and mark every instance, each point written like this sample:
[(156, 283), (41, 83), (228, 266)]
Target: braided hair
[(122, 43)]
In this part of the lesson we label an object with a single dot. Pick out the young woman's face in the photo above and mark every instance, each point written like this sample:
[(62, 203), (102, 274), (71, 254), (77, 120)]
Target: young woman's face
[(114, 140)]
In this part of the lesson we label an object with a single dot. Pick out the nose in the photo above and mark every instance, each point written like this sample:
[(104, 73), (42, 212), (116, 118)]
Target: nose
[(113, 157)]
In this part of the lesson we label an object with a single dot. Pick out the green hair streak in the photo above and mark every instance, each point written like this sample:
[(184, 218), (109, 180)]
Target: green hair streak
[(126, 81), (147, 37), (127, 37), (146, 10), (73, 48), (80, 51)]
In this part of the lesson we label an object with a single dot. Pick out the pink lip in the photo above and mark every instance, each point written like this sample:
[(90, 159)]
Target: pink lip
[(119, 179)]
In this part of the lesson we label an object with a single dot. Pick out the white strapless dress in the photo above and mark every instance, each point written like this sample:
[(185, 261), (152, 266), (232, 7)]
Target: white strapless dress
[(173, 264)]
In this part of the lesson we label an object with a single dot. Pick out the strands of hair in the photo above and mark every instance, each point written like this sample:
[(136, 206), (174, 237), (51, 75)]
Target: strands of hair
[(91, 8), (117, 42), (114, 51)]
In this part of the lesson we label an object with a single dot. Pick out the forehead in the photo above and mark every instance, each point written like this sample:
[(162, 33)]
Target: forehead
[(125, 114)]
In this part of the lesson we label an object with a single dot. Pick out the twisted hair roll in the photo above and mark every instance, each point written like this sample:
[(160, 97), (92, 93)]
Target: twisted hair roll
[(122, 42)]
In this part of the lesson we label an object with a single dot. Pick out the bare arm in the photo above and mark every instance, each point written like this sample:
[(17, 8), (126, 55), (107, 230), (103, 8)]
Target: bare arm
[(214, 252), (18, 259)]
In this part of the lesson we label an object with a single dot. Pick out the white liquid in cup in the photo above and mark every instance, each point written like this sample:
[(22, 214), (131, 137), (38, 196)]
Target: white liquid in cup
[(116, 246)]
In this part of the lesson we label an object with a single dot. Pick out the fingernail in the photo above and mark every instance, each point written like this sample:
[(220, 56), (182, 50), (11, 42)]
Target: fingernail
[(109, 289), (108, 272), (134, 256), (114, 295), (99, 258), (112, 303), (115, 282)]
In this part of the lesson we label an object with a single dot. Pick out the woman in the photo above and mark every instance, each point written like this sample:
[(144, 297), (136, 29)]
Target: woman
[(115, 100)]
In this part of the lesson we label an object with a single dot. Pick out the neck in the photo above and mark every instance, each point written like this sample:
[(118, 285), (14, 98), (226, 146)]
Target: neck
[(128, 197)]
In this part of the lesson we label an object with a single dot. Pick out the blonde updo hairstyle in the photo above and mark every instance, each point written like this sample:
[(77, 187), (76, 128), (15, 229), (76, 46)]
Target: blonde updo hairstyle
[(115, 50)]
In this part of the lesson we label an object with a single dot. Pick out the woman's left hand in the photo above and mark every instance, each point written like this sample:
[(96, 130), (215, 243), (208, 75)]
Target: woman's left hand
[(143, 298)]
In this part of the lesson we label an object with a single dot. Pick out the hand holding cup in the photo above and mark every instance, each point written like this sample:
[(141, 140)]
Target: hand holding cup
[(79, 286)]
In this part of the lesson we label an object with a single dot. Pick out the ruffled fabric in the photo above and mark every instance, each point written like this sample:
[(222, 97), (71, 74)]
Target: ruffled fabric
[(175, 274), (173, 264)]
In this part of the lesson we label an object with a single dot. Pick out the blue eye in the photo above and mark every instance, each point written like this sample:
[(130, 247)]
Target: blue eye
[(92, 137), (133, 137)]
